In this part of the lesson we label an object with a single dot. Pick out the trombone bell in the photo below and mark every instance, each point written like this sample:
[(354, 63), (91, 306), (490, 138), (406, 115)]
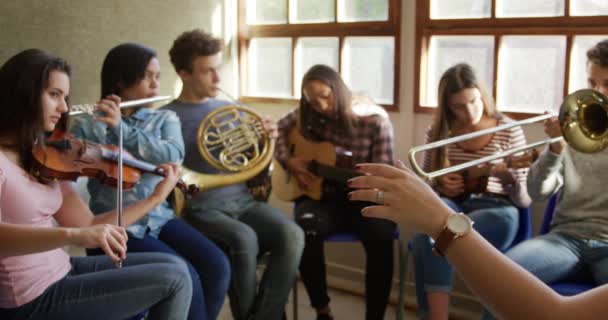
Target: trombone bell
[(584, 120)]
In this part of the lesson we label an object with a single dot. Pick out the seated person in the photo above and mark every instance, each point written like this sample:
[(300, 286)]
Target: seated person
[(465, 107), (328, 112), (576, 247), (38, 280), (243, 227), (131, 71), (507, 289)]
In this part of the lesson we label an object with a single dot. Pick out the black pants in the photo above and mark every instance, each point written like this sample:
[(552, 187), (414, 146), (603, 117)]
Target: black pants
[(321, 218)]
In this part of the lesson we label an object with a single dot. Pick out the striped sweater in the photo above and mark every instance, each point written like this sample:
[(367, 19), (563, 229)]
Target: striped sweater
[(501, 141)]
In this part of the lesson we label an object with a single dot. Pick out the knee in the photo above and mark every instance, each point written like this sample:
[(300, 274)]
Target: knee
[(179, 273), (241, 241), (292, 238), (312, 225)]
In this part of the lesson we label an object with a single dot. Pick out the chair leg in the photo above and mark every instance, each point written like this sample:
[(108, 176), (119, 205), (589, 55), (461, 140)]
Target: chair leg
[(403, 257), (295, 300)]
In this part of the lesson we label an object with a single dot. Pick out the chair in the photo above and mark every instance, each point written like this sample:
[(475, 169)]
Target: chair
[(524, 232), (563, 288), (352, 237)]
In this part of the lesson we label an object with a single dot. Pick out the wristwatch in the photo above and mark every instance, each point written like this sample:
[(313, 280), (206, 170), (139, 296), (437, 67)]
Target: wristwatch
[(457, 225)]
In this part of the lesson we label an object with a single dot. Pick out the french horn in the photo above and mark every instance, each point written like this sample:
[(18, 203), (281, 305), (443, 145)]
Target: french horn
[(233, 140)]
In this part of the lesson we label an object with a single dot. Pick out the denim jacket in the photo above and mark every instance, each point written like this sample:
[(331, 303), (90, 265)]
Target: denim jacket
[(149, 135)]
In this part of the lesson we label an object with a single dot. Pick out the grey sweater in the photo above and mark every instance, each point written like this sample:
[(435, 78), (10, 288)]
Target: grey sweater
[(582, 207)]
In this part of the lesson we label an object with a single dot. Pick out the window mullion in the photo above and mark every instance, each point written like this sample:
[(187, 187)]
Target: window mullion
[(569, 44), (494, 89)]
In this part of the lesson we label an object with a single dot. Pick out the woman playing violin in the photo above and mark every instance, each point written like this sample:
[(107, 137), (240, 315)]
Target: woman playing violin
[(38, 280), (464, 107), (131, 71)]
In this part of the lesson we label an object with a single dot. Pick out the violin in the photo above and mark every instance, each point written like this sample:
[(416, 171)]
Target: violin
[(476, 178), (65, 157)]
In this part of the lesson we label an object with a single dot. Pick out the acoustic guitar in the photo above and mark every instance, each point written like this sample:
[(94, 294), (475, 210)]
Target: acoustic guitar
[(326, 162), (476, 178)]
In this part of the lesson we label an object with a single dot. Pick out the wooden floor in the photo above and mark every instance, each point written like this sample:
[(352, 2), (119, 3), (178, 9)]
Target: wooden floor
[(345, 306)]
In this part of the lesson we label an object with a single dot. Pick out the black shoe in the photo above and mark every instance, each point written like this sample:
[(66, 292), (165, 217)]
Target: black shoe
[(324, 316)]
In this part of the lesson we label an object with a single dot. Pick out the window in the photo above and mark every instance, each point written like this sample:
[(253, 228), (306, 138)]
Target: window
[(279, 40), (528, 53)]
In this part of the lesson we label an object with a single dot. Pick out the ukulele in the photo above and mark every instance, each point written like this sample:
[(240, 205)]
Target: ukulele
[(476, 178), (327, 162)]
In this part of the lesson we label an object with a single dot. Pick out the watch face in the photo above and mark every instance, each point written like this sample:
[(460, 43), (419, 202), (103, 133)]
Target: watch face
[(459, 223)]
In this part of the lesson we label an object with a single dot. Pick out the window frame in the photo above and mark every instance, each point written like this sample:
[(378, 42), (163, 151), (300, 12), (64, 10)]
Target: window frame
[(390, 27), (568, 26)]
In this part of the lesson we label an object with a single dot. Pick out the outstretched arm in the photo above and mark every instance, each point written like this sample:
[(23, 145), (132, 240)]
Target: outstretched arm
[(503, 286)]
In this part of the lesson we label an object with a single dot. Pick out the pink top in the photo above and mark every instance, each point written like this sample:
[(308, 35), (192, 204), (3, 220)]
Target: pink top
[(24, 201)]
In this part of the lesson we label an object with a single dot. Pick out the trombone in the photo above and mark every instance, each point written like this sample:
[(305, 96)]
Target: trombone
[(583, 118)]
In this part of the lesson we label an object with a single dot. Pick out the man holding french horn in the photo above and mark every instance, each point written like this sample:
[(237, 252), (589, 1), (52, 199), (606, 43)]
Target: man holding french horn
[(576, 247), (243, 227)]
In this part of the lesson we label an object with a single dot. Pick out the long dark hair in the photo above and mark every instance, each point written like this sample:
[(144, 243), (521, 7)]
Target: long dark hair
[(23, 78), (123, 66), (453, 80), (344, 119)]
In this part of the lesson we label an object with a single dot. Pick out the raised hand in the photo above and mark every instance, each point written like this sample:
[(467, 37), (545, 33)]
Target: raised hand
[(406, 199), (271, 127), (553, 130), (166, 186), (109, 106)]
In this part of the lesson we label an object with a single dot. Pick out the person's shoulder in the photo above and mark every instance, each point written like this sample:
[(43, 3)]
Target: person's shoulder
[(5, 165), (505, 120), (365, 107), (170, 106), (371, 114), (167, 112)]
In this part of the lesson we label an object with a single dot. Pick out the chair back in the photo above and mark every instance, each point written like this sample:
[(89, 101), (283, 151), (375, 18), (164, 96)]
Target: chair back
[(524, 230), (549, 211)]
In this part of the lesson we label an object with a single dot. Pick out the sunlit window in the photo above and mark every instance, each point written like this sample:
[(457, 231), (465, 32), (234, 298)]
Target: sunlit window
[(281, 39)]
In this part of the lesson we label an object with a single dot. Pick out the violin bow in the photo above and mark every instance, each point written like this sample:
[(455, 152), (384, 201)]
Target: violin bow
[(119, 187)]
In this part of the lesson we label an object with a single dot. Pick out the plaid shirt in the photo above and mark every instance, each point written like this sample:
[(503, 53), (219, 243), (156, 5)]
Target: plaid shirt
[(372, 140)]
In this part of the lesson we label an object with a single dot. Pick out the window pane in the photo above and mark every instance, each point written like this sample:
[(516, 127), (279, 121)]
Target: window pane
[(446, 51), (588, 7), (362, 10), (578, 60), (529, 8), (311, 11), (531, 73), (311, 51), (266, 11), (368, 66), (460, 9), (270, 67)]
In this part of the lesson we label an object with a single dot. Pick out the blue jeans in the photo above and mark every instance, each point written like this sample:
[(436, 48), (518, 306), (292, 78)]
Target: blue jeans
[(563, 258), (208, 265), (96, 289), (247, 229), (496, 219)]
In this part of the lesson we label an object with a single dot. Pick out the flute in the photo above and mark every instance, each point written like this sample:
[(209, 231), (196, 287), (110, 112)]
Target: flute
[(90, 108)]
